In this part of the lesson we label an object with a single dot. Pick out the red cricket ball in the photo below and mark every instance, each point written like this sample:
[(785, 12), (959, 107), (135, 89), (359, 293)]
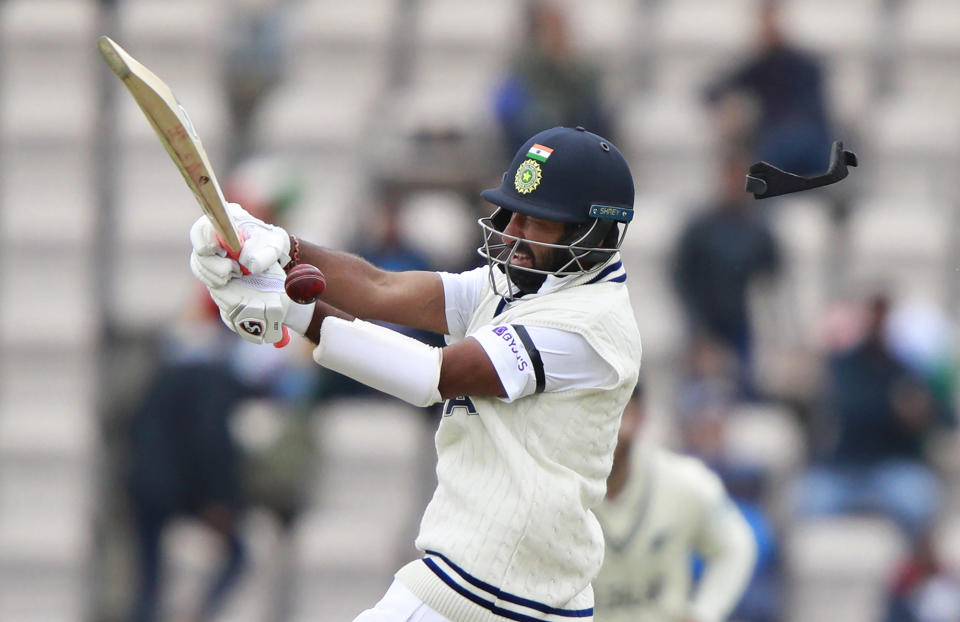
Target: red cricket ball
[(304, 283)]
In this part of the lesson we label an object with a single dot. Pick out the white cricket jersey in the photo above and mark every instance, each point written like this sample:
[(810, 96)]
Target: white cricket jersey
[(568, 361), (671, 507), (509, 533)]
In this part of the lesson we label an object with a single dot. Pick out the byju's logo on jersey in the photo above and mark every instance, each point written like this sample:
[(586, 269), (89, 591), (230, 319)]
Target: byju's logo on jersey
[(253, 327)]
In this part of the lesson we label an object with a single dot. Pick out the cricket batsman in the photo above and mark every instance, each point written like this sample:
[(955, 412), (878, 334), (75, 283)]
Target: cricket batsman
[(542, 355)]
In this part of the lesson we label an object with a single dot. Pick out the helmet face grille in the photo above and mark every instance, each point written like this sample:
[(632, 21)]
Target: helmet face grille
[(570, 259)]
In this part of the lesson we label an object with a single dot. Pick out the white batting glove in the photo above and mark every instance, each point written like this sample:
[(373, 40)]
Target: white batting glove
[(254, 305), (263, 246)]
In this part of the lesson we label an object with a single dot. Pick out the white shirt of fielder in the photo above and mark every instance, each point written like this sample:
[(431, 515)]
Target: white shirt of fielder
[(671, 507)]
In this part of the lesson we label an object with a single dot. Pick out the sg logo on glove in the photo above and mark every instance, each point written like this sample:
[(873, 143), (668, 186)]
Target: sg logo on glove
[(253, 327), (254, 305)]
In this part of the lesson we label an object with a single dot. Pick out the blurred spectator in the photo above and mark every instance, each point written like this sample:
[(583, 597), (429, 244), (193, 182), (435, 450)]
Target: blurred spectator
[(877, 415), (660, 510), (254, 64), (548, 83), (791, 128), (705, 405), (385, 246), (266, 186), (721, 252), (184, 461), (923, 588), (922, 335)]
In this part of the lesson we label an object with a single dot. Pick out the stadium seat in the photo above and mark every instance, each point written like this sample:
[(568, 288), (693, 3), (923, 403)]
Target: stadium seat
[(67, 276), (767, 436), (838, 567), (329, 24), (912, 143), (802, 226), (930, 25), (721, 26), (669, 143), (927, 49), (49, 92), (479, 27), (833, 28), (658, 220), (903, 244), (170, 25), (45, 534), (659, 318), (67, 214), (66, 23), (461, 46), (322, 104)]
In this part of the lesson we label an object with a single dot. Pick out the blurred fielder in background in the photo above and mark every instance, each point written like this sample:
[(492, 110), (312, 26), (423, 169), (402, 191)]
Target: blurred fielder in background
[(661, 509), (543, 353)]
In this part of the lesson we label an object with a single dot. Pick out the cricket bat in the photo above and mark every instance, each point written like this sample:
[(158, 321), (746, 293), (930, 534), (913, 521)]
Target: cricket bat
[(175, 130)]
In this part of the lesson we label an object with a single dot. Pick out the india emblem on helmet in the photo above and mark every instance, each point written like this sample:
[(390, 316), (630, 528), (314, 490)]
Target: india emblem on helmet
[(528, 177)]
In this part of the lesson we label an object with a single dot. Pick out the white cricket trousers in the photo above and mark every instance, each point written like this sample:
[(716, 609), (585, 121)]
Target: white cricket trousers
[(399, 604)]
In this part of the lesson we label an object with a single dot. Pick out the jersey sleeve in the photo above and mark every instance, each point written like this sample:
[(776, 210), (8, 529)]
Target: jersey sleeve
[(729, 549), (534, 359), (461, 295)]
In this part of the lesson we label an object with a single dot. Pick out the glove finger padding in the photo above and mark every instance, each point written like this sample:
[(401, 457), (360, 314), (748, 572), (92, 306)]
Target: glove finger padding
[(203, 238), (258, 254), (263, 244), (212, 270)]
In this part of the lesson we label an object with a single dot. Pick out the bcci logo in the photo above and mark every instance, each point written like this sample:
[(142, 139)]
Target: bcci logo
[(528, 177), (254, 327)]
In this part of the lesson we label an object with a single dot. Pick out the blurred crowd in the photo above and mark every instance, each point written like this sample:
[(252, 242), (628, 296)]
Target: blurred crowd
[(873, 403)]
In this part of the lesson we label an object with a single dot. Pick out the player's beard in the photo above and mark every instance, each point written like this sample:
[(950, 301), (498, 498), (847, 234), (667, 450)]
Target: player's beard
[(526, 281)]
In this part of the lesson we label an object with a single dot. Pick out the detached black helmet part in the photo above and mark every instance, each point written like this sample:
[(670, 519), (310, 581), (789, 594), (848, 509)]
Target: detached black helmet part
[(765, 180), (566, 175)]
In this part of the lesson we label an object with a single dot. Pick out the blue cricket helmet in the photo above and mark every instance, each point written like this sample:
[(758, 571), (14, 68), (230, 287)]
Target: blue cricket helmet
[(561, 173), (567, 175)]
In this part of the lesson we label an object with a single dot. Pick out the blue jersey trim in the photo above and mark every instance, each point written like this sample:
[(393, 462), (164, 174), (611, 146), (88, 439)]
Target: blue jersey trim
[(498, 593), (607, 271), (603, 274)]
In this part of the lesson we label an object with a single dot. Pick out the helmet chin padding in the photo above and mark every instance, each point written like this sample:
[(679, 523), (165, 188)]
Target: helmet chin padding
[(598, 233), (501, 218)]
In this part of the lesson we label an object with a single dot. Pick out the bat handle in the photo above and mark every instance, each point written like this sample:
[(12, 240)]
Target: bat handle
[(232, 254)]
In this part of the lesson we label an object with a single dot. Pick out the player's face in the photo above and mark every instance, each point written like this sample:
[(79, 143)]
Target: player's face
[(536, 230)]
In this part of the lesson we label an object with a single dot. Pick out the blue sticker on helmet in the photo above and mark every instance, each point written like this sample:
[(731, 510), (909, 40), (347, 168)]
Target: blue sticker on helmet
[(609, 212)]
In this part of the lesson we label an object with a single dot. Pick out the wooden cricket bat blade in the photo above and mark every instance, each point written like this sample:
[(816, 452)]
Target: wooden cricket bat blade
[(177, 134)]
